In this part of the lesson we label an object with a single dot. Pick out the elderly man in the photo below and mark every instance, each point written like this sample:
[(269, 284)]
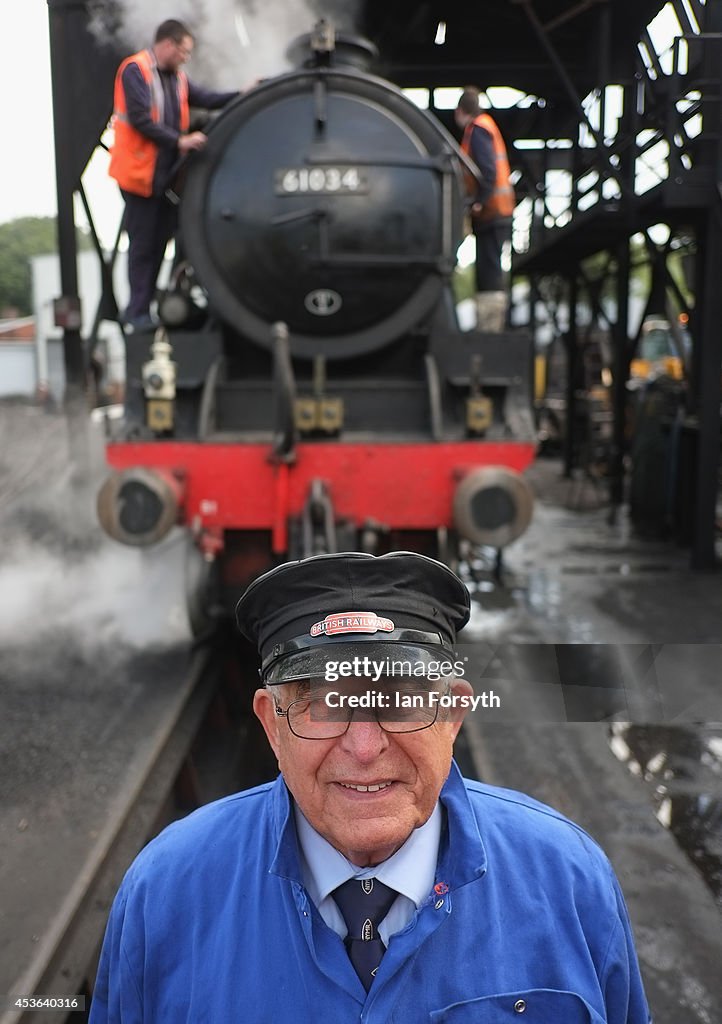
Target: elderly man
[(370, 881)]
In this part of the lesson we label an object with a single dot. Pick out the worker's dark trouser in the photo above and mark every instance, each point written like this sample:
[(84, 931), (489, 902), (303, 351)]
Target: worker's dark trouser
[(490, 238), (150, 223)]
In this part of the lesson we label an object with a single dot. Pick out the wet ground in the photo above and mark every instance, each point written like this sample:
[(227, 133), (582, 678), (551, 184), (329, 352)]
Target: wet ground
[(682, 769), (574, 578), (595, 625)]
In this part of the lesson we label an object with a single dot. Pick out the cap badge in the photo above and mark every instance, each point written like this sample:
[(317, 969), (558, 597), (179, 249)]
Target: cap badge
[(351, 622)]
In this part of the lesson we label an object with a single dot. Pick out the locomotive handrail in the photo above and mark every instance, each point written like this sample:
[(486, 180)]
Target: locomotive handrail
[(208, 395), (433, 385), (284, 435), (370, 260), (381, 260), (288, 218), (439, 163)]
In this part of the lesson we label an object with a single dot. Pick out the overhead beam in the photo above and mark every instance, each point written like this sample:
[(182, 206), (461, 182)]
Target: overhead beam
[(574, 12)]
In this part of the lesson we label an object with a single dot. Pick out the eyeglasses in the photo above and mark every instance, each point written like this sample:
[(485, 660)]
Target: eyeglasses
[(184, 51), (314, 718)]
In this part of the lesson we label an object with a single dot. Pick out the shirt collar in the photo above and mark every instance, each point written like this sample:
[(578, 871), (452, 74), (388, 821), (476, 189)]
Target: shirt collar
[(410, 871)]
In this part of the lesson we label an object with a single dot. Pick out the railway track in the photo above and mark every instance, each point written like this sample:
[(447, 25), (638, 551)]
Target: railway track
[(187, 750)]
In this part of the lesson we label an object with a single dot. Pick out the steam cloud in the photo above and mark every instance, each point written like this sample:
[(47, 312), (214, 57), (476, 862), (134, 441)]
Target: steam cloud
[(237, 41), (60, 576)]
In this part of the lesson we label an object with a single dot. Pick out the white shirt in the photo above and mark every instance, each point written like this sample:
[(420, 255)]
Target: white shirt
[(411, 871)]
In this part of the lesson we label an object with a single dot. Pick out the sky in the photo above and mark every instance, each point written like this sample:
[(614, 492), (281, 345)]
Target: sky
[(27, 174), (27, 171), (27, 178)]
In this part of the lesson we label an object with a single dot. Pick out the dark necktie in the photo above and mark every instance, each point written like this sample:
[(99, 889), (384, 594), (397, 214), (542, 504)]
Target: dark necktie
[(364, 904)]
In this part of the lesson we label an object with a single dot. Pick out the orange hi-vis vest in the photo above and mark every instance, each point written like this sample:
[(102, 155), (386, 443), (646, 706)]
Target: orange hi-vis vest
[(501, 201), (133, 156)]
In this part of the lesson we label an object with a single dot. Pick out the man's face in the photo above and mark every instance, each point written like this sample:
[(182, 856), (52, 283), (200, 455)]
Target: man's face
[(461, 118), (171, 55), (411, 768)]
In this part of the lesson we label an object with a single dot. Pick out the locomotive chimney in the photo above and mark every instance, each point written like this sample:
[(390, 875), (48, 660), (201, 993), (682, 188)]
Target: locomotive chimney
[(325, 47)]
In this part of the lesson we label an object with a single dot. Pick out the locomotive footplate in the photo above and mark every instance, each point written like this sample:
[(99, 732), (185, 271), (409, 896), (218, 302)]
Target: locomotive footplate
[(493, 373)]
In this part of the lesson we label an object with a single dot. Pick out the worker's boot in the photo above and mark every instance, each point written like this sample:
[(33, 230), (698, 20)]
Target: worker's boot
[(491, 311)]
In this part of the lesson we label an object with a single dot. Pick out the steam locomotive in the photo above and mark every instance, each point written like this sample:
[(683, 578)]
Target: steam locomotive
[(310, 389)]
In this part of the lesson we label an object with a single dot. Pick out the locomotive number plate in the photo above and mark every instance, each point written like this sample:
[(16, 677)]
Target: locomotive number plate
[(293, 181)]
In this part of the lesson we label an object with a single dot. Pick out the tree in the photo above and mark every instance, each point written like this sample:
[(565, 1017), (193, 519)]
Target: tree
[(19, 240), (464, 282)]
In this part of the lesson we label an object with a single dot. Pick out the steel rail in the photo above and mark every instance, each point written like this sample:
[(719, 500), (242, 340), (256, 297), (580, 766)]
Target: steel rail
[(69, 945)]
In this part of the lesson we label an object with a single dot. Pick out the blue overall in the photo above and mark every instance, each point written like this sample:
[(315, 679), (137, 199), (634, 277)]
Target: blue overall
[(527, 925)]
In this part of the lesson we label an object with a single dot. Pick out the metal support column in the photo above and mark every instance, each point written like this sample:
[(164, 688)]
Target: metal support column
[(708, 317), (75, 405), (621, 373), (572, 347), (709, 329)]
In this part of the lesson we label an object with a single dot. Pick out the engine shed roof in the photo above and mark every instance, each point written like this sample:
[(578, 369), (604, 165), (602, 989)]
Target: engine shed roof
[(498, 42)]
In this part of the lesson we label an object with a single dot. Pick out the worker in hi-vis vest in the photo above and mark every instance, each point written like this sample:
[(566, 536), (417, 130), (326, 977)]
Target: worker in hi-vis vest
[(491, 209), (151, 119)]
